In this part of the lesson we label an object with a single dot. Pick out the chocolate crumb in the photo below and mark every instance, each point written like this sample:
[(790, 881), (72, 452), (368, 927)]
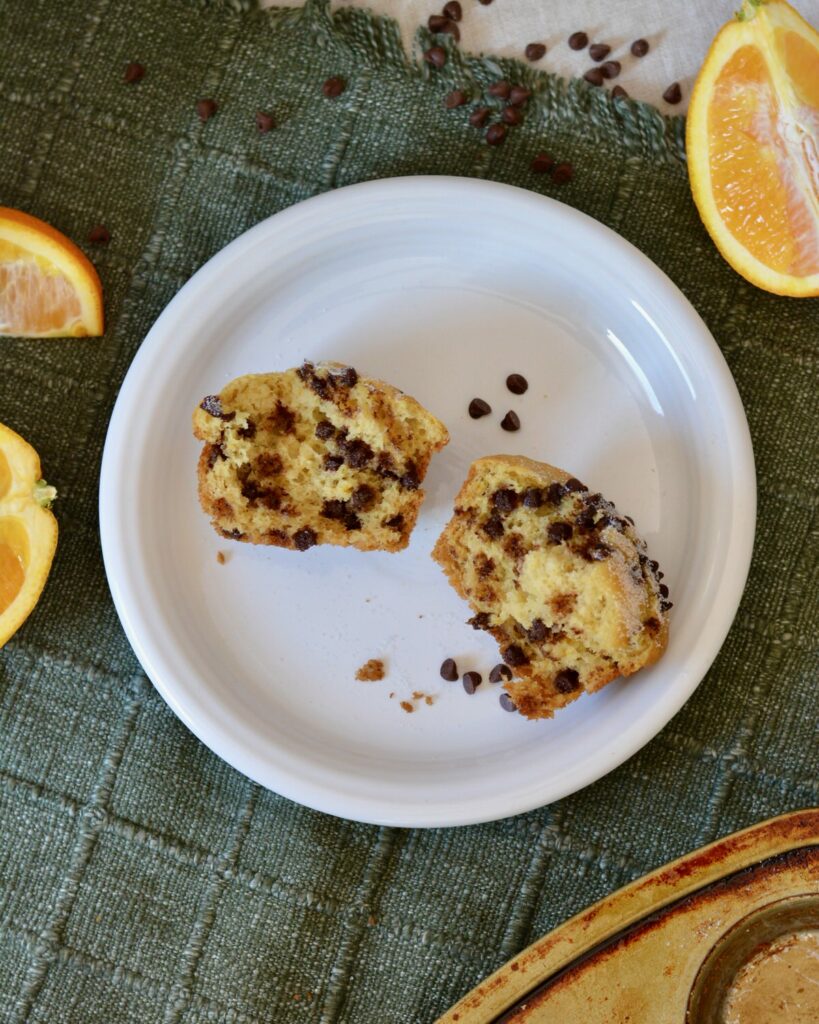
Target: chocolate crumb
[(220, 557), (429, 701), (405, 704), (449, 670), (371, 671), (417, 694)]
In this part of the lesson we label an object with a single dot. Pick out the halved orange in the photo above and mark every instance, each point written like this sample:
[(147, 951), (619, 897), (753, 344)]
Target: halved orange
[(28, 531), (752, 139), (48, 288)]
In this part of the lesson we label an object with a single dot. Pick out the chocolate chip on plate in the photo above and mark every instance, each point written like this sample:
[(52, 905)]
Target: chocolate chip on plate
[(599, 51), (639, 48), (499, 673), (206, 109), (264, 121), (436, 56), (453, 99), (511, 421), (478, 117), (673, 93), (449, 670), (495, 134), (453, 10), (517, 383), (562, 173), (519, 95), (99, 235), (507, 703), (333, 87), (501, 89), (611, 69), (478, 407), (134, 72), (578, 41), (594, 75), (535, 51), (511, 116), (471, 681), (542, 163)]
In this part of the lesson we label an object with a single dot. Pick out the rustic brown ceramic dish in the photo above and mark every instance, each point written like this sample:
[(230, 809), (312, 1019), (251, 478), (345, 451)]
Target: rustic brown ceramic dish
[(667, 948)]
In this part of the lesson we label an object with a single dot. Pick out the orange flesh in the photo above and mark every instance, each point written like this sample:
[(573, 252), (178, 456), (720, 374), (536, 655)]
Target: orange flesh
[(756, 169), (32, 299), (12, 575)]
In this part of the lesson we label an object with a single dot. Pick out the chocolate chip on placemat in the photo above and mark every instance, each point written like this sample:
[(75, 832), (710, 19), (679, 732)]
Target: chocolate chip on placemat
[(673, 93), (562, 173), (449, 670), (517, 383), (535, 51), (594, 75), (134, 72), (453, 99), (451, 28), (453, 10), (99, 235), (206, 109), (499, 673), (511, 421), (542, 163), (518, 95), (471, 681), (478, 117), (578, 41), (478, 407), (333, 87), (501, 89), (511, 116), (611, 69), (264, 121), (599, 51), (618, 91), (495, 134), (507, 703), (436, 56), (639, 48)]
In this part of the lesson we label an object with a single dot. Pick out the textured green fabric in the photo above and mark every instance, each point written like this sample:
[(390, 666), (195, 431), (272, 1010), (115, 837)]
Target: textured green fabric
[(141, 879)]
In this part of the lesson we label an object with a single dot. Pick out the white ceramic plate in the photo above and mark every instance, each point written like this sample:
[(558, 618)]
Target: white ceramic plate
[(442, 286)]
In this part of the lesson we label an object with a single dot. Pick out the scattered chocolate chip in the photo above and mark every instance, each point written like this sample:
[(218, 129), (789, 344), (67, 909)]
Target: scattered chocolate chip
[(639, 48), (511, 116), (599, 51), (507, 703), (578, 41), (478, 408), (562, 173), (395, 522), (594, 76), (535, 51), (436, 22), (505, 500), (519, 95), (325, 429), (363, 498), (537, 631), (511, 421), (436, 56), (618, 91), (514, 656), (611, 69), (264, 121), (597, 552), (517, 383), (99, 235), (559, 532), (542, 163), (663, 590), (305, 538), (554, 493), (333, 462), (673, 93), (206, 109), (501, 89), (134, 72), (495, 134), (493, 527), (471, 681), (453, 10), (333, 87), (478, 117), (573, 484), (499, 673), (453, 99), (567, 680), (449, 670), (533, 497)]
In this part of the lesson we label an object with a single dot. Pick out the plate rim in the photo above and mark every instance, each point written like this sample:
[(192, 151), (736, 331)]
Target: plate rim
[(421, 813)]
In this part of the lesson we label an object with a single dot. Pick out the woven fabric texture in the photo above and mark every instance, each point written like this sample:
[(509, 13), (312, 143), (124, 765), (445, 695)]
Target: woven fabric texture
[(142, 879)]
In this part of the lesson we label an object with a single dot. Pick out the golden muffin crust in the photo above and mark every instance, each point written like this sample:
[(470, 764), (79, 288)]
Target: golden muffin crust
[(314, 455), (557, 576)]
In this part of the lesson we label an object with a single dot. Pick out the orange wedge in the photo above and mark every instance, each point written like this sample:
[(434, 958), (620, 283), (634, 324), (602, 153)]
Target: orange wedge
[(48, 288), (752, 139), (28, 531)]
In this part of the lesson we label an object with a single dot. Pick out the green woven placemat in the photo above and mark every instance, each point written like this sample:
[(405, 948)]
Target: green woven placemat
[(141, 879)]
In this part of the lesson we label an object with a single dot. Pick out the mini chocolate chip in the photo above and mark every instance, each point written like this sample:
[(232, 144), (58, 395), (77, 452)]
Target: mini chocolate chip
[(562, 173), (517, 383), (453, 10), (511, 116), (484, 566), (599, 51), (471, 681), (514, 656), (598, 552), (215, 451), (99, 235), (519, 95), (134, 72), (501, 89), (542, 162), (567, 680), (351, 522), (573, 484), (652, 624), (436, 56), (660, 575), (594, 76), (629, 520), (493, 527), (507, 703), (511, 421), (479, 621), (554, 493), (436, 22), (248, 431), (585, 521), (666, 606), (485, 3), (212, 404), (357, 453), (611, 69), (654, 566), (663, 590), (533, 497), (333, 462), (325, 429), (478, 408), (453, 99), (559, 532), (333, 87), (499, 673), (639, 48), (578, 41), (495, 134), (395, 522), (537, 631), (449, 670), (305, 538), (206, 109), (478, 117), (264, 121), (334, 508), (535, 51), (673, 93), (363, 498), (618, 91), (505, 500)]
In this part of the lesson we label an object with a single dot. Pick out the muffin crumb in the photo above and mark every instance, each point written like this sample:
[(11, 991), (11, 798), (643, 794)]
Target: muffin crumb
[(371, 671)]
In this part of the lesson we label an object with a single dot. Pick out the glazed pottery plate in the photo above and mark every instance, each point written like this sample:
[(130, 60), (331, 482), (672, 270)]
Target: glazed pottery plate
[(443, 287)]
